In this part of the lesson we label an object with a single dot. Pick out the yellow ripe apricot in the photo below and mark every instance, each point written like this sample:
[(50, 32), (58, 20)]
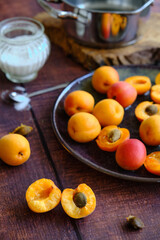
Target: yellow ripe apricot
[(79, 202), (14, 149), (43, 195), (157, 78), (149, 130), (78, 101), (141, 83), (155, 93), (108, 112), (104, 77), (83, 127)]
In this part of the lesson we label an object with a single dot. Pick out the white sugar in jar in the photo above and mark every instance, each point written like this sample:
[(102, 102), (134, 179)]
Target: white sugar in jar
[(24, 48)]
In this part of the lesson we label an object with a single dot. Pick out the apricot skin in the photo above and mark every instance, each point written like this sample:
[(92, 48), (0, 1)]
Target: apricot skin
[(149, 130), (122, 92), (14, 149), (131, 154), (83, 127), (103, 77), (78, 101), (108, 112)]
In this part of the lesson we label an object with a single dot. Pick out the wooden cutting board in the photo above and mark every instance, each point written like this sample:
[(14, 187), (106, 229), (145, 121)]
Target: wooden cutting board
[(145, 51)]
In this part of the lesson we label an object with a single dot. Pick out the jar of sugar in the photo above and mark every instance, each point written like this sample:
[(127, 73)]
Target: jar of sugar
[(24, 48)]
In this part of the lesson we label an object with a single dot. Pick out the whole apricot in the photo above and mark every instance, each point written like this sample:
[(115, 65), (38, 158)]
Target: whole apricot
[(83, 127), (79, 202), (14, 149), (122, 92), (78, 101), (43, 195), (103, 77), (108, 112), (149, 130), (131, 154)]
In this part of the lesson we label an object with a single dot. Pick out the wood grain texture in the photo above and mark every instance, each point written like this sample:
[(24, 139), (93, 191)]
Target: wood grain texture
[(145, 51), (116, 199)]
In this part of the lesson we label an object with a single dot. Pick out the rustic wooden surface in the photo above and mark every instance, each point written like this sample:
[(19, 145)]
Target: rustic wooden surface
[(145, 51), (116, 199)]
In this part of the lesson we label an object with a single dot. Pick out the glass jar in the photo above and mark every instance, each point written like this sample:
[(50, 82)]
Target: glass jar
[(24, 48)]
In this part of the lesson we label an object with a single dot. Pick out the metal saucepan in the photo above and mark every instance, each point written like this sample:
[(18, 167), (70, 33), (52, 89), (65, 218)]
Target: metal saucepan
[(101, 23)]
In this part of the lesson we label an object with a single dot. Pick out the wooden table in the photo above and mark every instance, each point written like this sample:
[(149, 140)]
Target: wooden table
[(116, 199)]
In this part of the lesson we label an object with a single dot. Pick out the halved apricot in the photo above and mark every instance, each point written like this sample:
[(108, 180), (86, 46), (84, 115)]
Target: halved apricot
[(79, 202), (152, 163), (155, 93), (43, 195), (146, 109), (157, 78), (111, 136), (141, 83)]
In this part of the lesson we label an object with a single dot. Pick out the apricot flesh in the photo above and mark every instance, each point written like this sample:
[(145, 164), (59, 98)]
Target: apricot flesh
[(78, 101), (69, 205), (14, 149), (108, 112), (43, 195), (141, 83), (83, 127), (131, 154)]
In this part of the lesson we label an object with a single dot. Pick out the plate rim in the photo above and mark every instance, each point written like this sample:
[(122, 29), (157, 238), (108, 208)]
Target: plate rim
[(85, 160)]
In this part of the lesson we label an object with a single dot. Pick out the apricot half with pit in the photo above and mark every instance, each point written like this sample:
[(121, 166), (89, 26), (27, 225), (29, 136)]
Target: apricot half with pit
[(146, 109), (43, 195), (79, 202)]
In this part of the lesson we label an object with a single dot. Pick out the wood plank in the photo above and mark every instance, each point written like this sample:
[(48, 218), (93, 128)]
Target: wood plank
[(16, 220)]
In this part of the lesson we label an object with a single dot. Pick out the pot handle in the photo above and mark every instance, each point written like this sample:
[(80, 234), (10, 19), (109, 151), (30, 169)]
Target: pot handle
[(55, 12)]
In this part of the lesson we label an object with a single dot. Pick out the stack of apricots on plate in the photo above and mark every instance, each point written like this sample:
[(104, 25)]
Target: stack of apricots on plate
[(100, 122)]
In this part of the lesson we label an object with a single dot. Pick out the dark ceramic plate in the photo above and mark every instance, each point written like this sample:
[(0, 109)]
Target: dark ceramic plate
[(89, 153)]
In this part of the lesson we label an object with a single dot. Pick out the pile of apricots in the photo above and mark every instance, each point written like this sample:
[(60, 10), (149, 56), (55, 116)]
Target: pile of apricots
[(100, 122)]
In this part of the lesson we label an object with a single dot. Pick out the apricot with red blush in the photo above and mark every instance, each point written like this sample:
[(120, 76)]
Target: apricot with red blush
[(122, 92), (131, 154)]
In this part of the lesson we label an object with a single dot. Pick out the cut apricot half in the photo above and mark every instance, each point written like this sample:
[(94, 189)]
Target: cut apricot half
[(146, 109), (111, 136), (79, 202), (152, 163), (43, 195), (157, 78), (155, 93), (141, 83)]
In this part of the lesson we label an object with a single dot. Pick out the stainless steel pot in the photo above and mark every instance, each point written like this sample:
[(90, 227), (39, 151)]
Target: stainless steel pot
[(101, 23)]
